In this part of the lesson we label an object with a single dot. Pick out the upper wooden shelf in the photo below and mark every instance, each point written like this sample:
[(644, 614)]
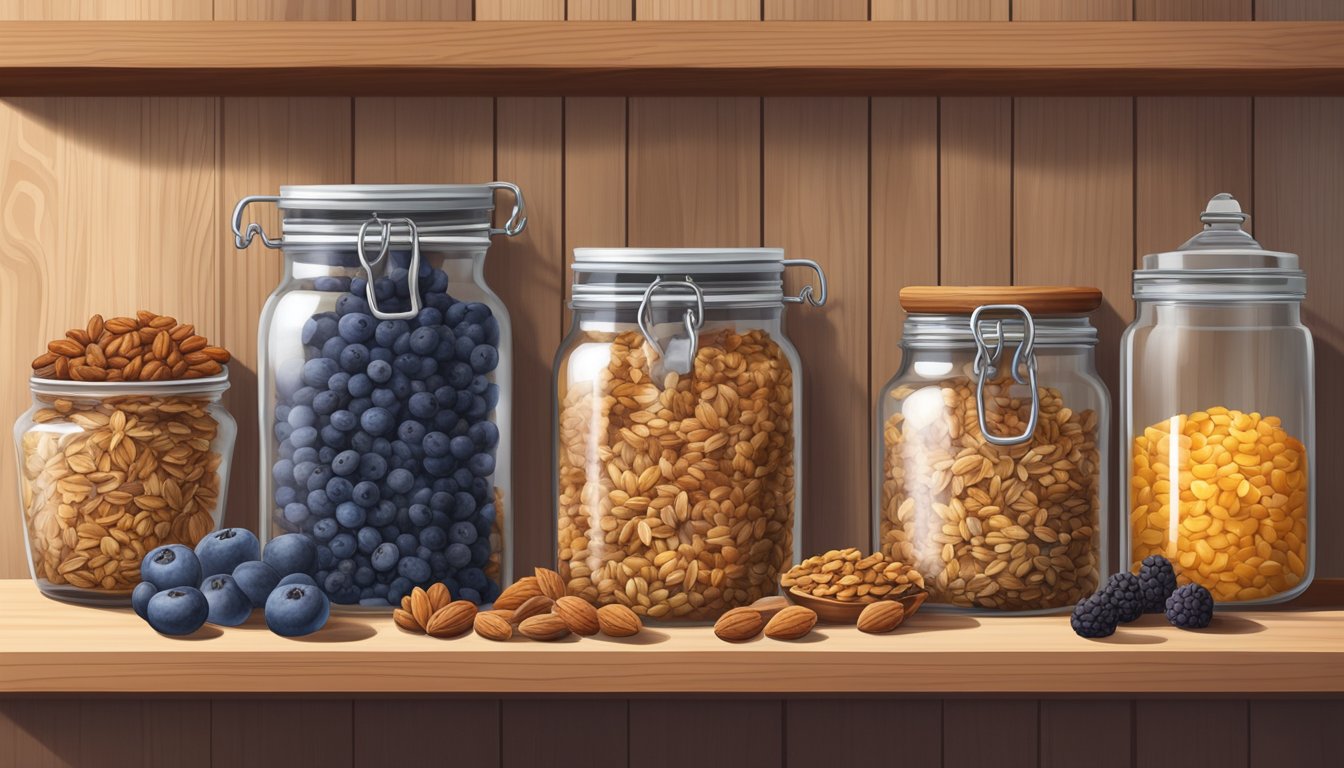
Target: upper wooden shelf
[(50, 647), (669, 58)]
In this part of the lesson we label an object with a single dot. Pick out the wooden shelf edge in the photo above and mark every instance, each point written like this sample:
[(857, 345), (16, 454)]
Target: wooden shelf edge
[(670, 58)]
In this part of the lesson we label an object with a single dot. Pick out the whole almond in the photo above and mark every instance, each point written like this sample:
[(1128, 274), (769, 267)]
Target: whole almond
[(66, 348), (438, 596), (616, 620), (421, 608), (533, 606), (881, 617), (503, 613), (546, 626), (769, 606), (550, 583), (739, 624), (791, 623), (578, 614), (406, 621), (452, 619), (518, 593), (492, 626)]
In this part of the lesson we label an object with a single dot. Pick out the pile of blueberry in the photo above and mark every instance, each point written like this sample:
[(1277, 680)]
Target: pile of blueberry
[(386, 444), (1127, 596), (241, 580)]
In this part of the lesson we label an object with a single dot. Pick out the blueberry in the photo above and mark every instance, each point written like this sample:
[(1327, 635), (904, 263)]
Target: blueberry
[(376, 421), (481, 465), (363, 576), (459, 375), (424, 341), (354, 358), (343, 545), (301, 416), (407, 544), (256, 579), (346, 566), (360, 385), (297, 578), (462, 532), (366, 494), (339, 383), (456, 313), (140, 597), (464, 505), (282, 431), (223, 550), (480, 552), (350, 514), (325, 529), (379, 371), (484, 358), (479, 384), (318, 370), (385, 557), (465, 401), (461, 447), (435, 537), (485, 434), (177, 611), (387, 332), (407, 363), (411, 432), (346, 463), (400, 480), (332, 350), (463, 347), (335, 582), (473, 578), (436, 444), (356, 327), (320, 502), (339, 489), (295, 514), (334, 438), (295, 610), (459, 555), (291, 553), (303, 437), (326, 403), (324, 556), (344, 420), (397, 589), (383, 514), (171, 565), (414, 568), (491, 398), (368, 539), (317, 329), (469, 594), (229, 605)]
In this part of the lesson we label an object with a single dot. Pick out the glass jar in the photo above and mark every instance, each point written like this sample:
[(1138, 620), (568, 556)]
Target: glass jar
[(109, 471), (991, 447), (678, 428), (384, 388), (1218, 356)]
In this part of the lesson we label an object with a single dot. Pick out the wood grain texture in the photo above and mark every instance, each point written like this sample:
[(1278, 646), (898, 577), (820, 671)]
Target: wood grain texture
[(520, 10), (425, 732), (738, 732), (814, 10), (698, 10), (928, 10), (275, 731), (107, 10), (1303, 733), (600, 10), (401, 10), (116, 733), (1098, 729), (1159, 741), (819, 732), (283, 10), (1298, 10), (593, 734), (1072, 10), (1000, 733), (1193, 10)]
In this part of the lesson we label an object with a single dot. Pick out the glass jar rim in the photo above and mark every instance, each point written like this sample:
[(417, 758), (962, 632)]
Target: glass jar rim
[(208, 385), (953, 331)]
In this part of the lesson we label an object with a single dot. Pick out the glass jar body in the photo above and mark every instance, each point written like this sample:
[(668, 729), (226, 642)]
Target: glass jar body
[(1017, 528), (386, 441), (108, 472), (677, 493), (1234, 383)]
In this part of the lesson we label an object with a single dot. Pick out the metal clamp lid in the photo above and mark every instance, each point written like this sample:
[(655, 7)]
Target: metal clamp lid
[(518, 217), (806, 293), (243, 238), (679, 356), (412, 270), (987, 362)]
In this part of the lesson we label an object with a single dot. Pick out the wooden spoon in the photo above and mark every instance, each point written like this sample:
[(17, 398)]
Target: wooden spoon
[(832, 611)]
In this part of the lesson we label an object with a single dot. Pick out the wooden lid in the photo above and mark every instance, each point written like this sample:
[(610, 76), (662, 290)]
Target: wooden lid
[(963, 299)]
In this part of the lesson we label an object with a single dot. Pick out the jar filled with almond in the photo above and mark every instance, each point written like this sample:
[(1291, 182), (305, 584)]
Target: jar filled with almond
[(678, 429), (991, 447)]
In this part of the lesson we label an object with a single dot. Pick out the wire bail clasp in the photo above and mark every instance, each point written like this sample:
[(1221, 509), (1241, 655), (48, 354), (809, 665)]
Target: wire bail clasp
[(806, 294), (384, 243), (987, 363), (679, 356)]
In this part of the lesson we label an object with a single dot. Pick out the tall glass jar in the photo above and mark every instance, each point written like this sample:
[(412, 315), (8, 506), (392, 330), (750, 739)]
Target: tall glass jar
[(991, 447), (678, 427), (384, 388), (1218, 406)]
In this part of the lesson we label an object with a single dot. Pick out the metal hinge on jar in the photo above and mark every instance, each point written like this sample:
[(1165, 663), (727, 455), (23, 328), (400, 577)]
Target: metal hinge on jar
[(987, 364), (679, 353)]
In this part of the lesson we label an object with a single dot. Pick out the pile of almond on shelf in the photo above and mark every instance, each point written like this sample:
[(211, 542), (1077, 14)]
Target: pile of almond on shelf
[(536, 606)]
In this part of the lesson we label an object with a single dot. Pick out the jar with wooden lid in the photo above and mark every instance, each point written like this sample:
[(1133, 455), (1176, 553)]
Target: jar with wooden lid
[(991, 445)]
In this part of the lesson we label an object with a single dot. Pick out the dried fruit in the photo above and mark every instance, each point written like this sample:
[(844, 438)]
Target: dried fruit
[(147, 347), (550, 583), (739, 624), (791, 623), (493, 626), (518, 592), (578, 614), (618, 621), (534, 606), (881, 617), (546, 626), (452, 619), (849, 576)]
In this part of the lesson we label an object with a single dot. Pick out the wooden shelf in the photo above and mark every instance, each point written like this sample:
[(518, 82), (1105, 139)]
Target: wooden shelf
[(668, 58), (50, 647)]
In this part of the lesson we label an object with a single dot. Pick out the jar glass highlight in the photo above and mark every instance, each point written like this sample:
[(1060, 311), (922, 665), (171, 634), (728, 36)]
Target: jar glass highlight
[(679, 430), (385, 392), (996, 496), (109, 471)]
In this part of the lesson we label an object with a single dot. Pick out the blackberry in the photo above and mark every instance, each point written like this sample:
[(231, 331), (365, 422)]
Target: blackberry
[(1094, 617), (1190, 607), (1125, 596), (1157, 579)]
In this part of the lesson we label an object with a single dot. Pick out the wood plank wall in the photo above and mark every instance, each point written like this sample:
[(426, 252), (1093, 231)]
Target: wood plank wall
[(614, 733), (114, 204)]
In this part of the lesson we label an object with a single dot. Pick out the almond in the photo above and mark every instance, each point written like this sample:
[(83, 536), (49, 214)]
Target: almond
[(578, 614), (534, 606), (452, 620), (546, 626), (617, 620), (420, 607), (739, 624), (769, 606), (438, 596), (503, 613), (550, 583), (881, 617), (85, 354), (406, 621), (518, 593), (492, 626), (791, 623)]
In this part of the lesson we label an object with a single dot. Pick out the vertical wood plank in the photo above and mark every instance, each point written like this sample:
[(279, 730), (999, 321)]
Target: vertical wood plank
[(412, 140), (600, 10), (929, 10), (283, 732), (1303, 734), (743, 733), (1192, 10), (35, 734), (700, 10), (283, 10), (1299, 183), (385, 733), (1095, 731), (1166, 733), (820, 732), (815, 10), (593, 734), (1298, 10), (105, 732), (408, 10), (998, 732), (107, 10), (1072, 10)]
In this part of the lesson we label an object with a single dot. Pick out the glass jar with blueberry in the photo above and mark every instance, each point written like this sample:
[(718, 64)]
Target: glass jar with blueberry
[(678, 429), (384, 388)]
